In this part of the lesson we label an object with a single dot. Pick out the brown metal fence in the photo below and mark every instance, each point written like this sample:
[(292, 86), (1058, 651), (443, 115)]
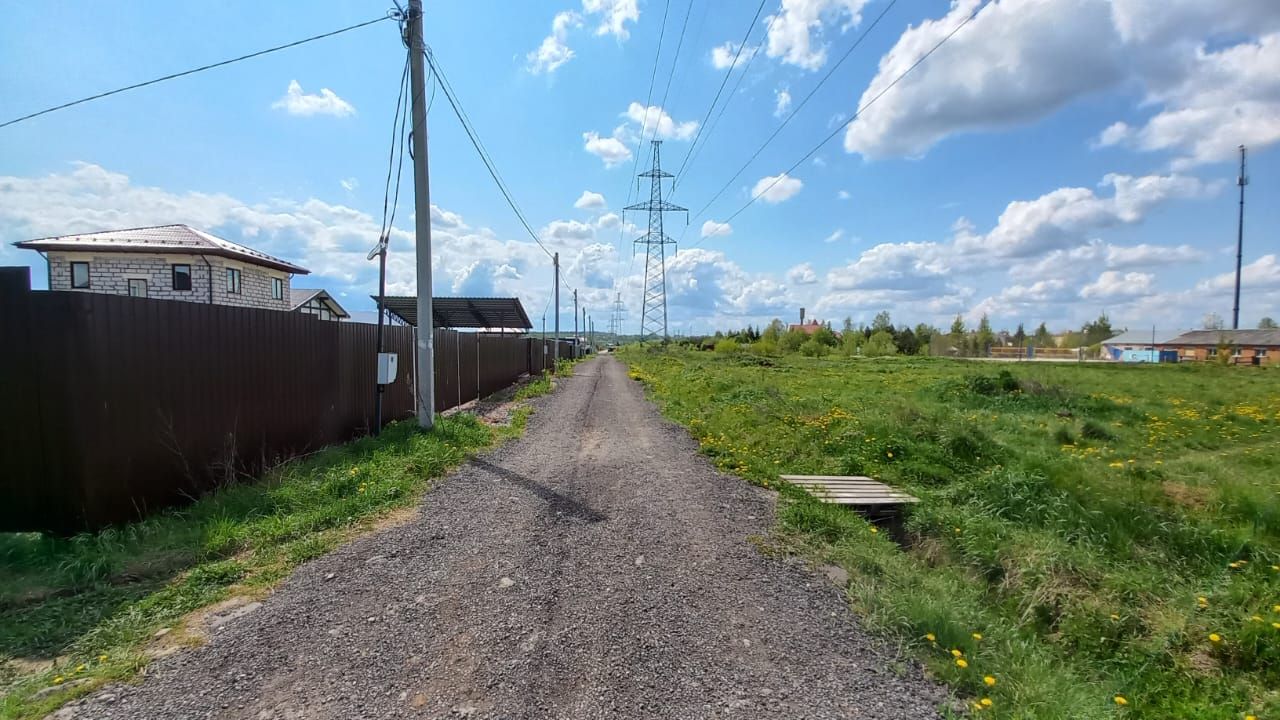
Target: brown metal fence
[(112, 406)]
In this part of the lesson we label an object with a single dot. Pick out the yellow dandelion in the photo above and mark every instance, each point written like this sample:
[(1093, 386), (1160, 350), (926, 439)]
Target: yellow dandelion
[(1250, 717), (1233, 565), (977, 636), (890, 453), (875, 530), (1120, 700), (1276, 625), (989, 680), (1215, 638), (1203, 601), (80, 668), (986, 702), (1115, 616), (102, 658), (1275, 608), (956, 652), (59, 680), (962, 663), (1275, 568), (1256, 618), (930, 637)]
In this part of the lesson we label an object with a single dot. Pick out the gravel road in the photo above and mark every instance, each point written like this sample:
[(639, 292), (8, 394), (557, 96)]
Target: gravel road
[(598, 567)]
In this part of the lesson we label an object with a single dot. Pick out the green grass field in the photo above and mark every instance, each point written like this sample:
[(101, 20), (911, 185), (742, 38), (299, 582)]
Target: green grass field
[(1092, 541)]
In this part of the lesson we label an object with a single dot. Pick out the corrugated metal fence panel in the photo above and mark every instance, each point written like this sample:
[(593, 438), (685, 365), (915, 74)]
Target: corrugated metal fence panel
[(123, 405)]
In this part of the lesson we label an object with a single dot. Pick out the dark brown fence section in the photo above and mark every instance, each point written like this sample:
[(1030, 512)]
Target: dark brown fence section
[(112, 407)]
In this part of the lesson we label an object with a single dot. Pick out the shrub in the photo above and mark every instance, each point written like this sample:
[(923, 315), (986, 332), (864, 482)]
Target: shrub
[(727, 346), (880, 344), (1095, 430), (813, 348)]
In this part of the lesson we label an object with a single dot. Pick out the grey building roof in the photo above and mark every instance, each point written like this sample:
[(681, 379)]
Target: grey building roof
[(1143, 337), (161, 238), (461, 312), (1211, 338), (302, 296)]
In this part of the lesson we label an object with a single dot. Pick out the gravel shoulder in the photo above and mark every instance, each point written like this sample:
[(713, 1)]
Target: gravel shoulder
[(598, 567)]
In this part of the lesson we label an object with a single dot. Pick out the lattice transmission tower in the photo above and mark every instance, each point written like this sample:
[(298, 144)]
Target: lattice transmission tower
[(653, 315), (615, 317)]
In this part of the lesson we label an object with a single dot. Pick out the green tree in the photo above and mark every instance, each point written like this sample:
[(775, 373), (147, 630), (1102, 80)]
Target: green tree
[(848, 326), (880, 344), (1043, 338), (792, 340), (881, 322), (984, 338), (826, 336), (1098, 330), (773, 333), (1020, 336), (907, 342), (851, 343), (1267, 323)]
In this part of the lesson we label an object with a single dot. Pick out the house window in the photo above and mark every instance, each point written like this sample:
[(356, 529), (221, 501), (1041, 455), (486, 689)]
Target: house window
[(277, 289), (233, 281), (137, 287), (1213, 352), (79, 274), (1260, 352), (1238, 352), (181, 277)]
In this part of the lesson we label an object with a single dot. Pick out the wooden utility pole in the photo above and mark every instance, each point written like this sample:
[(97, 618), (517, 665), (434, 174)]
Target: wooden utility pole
[(422, 222)]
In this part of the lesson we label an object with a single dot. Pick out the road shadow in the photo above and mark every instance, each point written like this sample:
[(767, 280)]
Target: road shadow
[(560, 504)]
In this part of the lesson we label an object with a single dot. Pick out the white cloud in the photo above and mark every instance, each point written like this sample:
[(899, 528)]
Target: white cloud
[(782, 103), (568, 230), (349, 184), (654, 118), (796, 31), (1114, 284), (296, 102), (712, 228), (1209, 68), (609, 149), (608, 221), (1261, 274), (554, 52), (918, 268), (843, 195), (614, 16), (776, 188), (1063, 217), (595, 264), (802, 274), (590, 201), (835, 236), (722, 56)]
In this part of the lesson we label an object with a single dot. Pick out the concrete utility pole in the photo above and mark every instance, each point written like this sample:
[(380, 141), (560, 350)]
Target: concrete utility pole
[(556, 262), (422, 223), (1241, 181), (575, 323)]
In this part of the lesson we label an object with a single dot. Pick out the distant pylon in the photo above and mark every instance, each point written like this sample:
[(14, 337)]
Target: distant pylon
[(653, 315), (615, 318)]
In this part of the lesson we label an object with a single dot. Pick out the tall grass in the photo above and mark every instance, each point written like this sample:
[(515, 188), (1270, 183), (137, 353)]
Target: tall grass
[(89, 603), (1109, 532)]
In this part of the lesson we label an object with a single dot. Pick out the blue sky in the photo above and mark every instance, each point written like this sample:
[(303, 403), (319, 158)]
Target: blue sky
[(1053, 160)]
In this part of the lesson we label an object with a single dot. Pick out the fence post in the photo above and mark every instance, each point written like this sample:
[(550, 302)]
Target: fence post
[(477, 366)]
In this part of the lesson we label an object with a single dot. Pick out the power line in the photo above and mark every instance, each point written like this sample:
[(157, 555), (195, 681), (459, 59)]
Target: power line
[(696, 152), (389, 16), (474, 136), (397, 148), (732, 65), (856, 113), (799, 106)]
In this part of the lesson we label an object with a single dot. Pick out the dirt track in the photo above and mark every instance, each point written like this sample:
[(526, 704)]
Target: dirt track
[(596, 568)]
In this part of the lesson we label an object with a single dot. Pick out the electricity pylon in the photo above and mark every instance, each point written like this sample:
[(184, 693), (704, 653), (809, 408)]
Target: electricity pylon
[(653, 315), (615, 318)]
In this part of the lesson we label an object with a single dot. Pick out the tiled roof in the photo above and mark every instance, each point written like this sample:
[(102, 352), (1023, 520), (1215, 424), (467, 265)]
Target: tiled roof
[(1261, 338), (161, 238)]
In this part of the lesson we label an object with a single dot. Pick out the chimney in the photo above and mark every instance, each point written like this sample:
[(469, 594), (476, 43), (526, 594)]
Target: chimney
[(801, 316)]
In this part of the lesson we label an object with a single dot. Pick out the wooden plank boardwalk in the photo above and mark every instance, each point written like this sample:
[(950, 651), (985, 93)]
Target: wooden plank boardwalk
[(855, 491)]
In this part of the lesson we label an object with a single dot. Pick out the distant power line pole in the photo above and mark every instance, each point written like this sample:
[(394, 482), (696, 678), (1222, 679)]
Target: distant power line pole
[(556, 261), (422, 222), (1241, 181), (615, 319), (575, 323), (653, 315)]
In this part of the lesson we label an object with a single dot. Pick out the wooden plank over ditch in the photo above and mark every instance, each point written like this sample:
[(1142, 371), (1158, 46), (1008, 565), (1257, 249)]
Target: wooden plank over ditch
[(853, 490)]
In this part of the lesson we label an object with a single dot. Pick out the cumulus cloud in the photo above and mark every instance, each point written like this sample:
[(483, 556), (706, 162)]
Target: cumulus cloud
[(1114, 284), (609, 149), (726, 55), (796, 32), (554, 52), (1261, 274), (568, 230), (653, 119), (1209, 68), (590, 201), (296, 102), (613, 15), (842, 195), (1065, 216), (711, 228), (782, 103), (802, 274), (776, 188), (835, 236)]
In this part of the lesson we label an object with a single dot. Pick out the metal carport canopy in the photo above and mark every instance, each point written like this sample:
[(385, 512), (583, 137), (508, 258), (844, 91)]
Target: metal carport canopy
[(461, 312)]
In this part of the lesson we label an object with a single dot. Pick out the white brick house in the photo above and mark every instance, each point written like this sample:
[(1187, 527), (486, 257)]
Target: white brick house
[(168, 262)]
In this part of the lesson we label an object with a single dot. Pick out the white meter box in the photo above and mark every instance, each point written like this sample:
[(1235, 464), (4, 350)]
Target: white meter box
[(387, 365)]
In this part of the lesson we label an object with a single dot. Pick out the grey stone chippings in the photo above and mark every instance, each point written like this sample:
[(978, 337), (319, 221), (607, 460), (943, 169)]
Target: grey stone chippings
[(519, 593)]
